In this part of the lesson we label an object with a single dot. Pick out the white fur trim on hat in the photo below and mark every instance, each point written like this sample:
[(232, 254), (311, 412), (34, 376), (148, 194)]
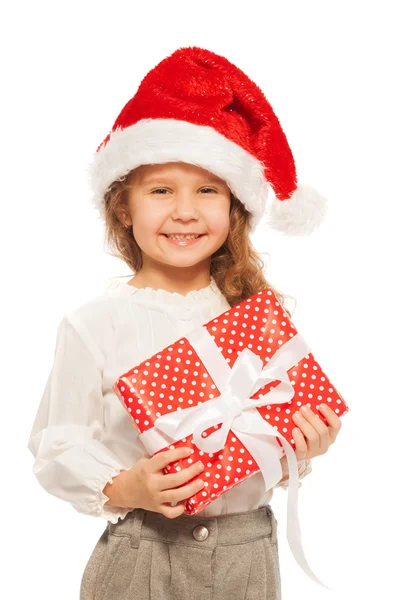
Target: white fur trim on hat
[(158, 141)]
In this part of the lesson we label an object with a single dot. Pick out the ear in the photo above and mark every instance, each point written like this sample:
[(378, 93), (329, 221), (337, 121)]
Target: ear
[(124, 217)]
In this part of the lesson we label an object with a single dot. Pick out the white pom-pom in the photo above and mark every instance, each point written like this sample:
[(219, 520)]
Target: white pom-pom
[(301, 214)]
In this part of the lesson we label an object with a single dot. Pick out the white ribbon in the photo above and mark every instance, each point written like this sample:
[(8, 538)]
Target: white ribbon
[(236, 410)]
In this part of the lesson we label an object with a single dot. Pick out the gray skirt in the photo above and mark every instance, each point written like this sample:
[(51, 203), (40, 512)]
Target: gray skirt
[(147, 556)]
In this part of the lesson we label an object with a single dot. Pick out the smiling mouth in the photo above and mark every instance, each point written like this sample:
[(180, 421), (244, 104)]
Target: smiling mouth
[(183, 239), (183, 242)]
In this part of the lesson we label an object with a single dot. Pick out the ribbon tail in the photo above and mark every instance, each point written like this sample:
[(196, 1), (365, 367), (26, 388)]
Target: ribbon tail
[(251, 429), (293, 533)]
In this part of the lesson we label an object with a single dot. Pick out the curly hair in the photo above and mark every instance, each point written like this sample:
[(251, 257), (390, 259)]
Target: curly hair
[(236, 266)]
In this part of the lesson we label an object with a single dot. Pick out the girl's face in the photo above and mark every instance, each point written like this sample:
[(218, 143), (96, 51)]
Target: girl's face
[(178, 198)]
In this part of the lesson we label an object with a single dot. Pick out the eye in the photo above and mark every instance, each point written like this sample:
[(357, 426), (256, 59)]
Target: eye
[(159, 189), (165, 190)]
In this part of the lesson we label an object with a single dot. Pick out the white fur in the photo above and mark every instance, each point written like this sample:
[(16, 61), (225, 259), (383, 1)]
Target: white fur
[(300, 214)]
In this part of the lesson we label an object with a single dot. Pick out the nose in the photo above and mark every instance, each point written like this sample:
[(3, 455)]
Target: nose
[(185, 207)]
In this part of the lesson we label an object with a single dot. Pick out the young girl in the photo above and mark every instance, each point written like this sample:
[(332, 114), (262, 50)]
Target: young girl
[(181, 181)]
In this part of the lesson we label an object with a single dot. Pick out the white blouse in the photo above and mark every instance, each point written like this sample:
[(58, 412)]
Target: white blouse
[(82, 435)]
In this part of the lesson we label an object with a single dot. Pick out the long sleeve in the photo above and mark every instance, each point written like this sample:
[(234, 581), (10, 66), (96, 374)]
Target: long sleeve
[(304, 469), (71, 462)]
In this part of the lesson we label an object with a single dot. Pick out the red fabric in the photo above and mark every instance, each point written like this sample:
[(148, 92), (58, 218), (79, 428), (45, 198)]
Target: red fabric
[(198, 86), (263, 323)]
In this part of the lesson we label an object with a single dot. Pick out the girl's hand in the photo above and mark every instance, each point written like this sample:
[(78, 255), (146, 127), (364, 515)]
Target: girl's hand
[(147, 486), (313, 437)]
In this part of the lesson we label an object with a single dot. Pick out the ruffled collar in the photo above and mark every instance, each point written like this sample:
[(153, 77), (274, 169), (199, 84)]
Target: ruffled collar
[(210, 293)]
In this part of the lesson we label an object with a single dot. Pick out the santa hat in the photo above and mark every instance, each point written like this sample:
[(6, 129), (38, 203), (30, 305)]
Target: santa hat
[(197, 107)]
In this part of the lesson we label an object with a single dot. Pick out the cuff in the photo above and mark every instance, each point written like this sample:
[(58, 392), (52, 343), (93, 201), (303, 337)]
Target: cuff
[(305, 467), (109, 513)]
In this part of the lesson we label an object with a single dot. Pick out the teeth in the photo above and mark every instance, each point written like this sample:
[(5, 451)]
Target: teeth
[(182, 237)]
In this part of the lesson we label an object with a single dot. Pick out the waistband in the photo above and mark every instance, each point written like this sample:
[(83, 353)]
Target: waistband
[(195, 530)]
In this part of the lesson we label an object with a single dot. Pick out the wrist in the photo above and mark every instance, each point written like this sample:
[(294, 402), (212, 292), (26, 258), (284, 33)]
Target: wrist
[(116, 491)]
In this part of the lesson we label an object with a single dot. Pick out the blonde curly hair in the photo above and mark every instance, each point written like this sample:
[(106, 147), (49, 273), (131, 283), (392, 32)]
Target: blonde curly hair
[(236, 266)]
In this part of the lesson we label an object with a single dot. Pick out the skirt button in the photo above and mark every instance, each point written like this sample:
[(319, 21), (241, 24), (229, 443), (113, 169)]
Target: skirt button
[(200, 533)]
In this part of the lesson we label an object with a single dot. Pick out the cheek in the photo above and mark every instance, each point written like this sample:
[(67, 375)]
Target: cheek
[(149, 221), (218, 221)]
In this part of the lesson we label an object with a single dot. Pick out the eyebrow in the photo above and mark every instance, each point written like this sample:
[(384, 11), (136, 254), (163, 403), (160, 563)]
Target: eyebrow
[(160, 178)]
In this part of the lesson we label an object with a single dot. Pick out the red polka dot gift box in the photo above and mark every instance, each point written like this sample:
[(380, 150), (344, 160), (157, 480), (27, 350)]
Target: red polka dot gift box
[(229, 389), (203, 385)]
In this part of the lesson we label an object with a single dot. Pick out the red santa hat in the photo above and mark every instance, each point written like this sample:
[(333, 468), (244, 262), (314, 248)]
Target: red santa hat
[(197, 107)]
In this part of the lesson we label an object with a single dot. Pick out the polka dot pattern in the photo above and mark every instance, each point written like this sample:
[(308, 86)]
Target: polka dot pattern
[(175, 379)]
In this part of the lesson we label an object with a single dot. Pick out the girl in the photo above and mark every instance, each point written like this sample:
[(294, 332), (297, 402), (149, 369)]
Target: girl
[(181, 181)]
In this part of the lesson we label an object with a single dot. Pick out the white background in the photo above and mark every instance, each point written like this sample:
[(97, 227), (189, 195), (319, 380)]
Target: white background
[(330, 71)]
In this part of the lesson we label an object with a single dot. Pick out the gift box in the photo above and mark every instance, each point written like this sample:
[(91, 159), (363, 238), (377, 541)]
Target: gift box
[(228, 390)]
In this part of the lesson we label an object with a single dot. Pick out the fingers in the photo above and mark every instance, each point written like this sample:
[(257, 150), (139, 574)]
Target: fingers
[(171, 512), (334, 423), (160, 460), (301, 445), (313, 429), (172, 480), (182, 493), (318, 435), (162, 483)]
